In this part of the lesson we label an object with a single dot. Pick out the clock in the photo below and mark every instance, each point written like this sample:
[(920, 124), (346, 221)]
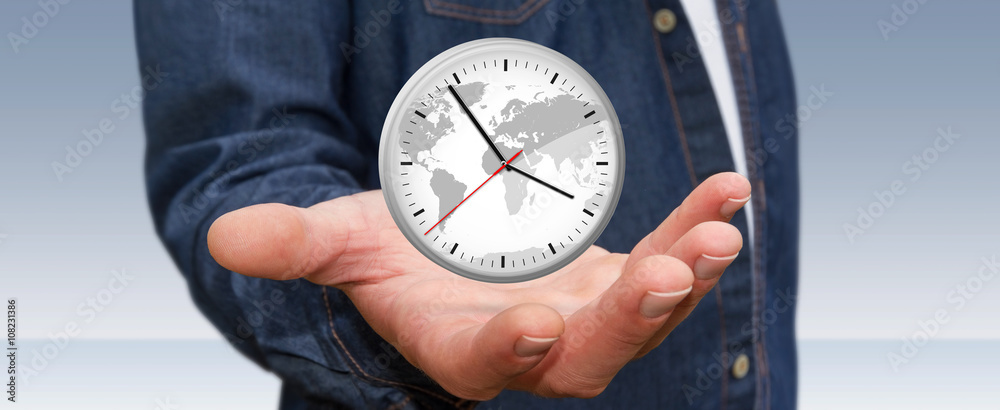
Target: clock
[(501, 160)]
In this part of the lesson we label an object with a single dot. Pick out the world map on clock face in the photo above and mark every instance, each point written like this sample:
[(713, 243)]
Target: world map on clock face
[(544, 122)]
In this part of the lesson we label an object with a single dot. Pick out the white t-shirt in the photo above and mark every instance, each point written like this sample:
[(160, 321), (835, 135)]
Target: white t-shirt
[(708, 33)]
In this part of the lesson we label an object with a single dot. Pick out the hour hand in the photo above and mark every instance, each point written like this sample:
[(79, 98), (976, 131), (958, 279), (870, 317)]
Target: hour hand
[(475, 122), (533, 178)]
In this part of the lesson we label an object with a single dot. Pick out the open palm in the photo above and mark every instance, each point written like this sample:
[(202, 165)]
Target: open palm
[(566, 334)]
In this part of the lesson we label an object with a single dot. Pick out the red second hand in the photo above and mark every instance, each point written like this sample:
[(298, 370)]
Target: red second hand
[(502, 166)]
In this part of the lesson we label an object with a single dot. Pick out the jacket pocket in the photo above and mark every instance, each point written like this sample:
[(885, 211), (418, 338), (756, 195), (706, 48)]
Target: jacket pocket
[(507, 12)]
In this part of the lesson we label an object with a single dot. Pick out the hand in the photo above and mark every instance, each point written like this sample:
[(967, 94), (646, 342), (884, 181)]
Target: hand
[(475, 338)]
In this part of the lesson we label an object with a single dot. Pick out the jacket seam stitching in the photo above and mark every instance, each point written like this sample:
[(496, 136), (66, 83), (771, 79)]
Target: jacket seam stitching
[(481, 10), (673, 100), (489, 18), (760, 202)]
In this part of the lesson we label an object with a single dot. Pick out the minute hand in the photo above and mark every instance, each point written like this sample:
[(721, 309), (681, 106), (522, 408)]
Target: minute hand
[(476, 123), (532, 177)]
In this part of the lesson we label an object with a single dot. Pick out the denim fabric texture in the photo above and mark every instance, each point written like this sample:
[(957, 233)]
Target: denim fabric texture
[(284, 101)]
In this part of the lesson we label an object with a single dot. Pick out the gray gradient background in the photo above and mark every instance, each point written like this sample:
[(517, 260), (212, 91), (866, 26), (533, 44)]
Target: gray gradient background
[(59, 241)]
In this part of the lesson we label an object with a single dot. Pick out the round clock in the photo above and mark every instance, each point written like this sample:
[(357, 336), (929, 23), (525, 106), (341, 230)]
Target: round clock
[(501, 160)]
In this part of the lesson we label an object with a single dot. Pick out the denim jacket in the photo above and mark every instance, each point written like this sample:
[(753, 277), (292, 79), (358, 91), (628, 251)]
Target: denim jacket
[(283, 101)]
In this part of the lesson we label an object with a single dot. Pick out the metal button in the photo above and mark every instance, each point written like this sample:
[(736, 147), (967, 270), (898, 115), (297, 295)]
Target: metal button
[(664, 20), (741, 366)]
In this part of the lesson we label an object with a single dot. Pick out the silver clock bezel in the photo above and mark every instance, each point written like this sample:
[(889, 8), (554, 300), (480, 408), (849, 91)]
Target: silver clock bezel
[(405, 96)]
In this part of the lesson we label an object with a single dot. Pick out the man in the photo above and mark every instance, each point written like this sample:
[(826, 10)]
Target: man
[(262, 154)]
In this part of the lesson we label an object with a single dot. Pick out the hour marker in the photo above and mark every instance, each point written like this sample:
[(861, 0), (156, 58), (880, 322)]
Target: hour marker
[(602, 163), (453, 248), (406, 163), (418, 212), (587, 115), (554, 78), (552, 248), (457, 81), (502, 260), (422, 115), (587, 212), (505, 64)]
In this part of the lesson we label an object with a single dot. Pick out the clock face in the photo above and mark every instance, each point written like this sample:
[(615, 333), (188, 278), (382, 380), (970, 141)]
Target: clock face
[(501, 160)]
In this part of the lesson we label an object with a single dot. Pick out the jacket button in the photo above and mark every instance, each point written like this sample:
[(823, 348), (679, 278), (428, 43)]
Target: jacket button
[(664, 20), (741, 366)]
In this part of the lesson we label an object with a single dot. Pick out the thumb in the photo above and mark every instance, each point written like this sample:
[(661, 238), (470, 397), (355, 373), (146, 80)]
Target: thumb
[(481, 361), (282, 242)]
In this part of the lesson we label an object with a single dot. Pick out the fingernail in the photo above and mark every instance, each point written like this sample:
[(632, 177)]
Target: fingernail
[(708, 267), (732, 205), (528, 346), (656, 304)]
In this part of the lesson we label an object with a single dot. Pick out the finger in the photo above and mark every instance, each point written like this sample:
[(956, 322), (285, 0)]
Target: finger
[(480, 362), (716, 199), (708, 249), (606, 334), (283, 242)]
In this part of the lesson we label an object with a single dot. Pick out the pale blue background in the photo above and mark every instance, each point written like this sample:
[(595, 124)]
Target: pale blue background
[(59, 241)]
